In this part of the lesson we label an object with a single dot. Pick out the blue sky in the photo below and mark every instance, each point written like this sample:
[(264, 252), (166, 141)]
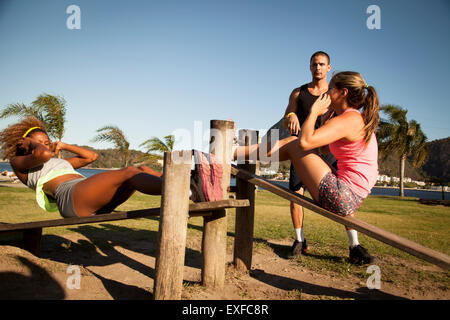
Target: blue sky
[(153, 67)]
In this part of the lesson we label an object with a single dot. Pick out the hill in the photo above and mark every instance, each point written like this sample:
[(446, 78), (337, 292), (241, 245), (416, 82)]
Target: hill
[(438, 162), (109, 158)]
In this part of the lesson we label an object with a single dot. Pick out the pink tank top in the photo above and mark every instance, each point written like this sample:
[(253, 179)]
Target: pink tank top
[(357, 163)]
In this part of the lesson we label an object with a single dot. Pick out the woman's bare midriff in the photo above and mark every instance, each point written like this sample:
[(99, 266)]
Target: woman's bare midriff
[(50, 187)]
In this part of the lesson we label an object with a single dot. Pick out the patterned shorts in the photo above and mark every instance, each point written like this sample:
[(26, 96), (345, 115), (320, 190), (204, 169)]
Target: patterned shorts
[(337, 197)]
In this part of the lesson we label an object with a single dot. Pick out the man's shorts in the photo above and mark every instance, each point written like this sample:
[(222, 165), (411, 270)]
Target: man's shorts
[(295, 183)]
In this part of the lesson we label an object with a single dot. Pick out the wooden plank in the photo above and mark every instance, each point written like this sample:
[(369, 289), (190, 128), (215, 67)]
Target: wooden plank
[(438, 258), (195, 210), (169, 264)]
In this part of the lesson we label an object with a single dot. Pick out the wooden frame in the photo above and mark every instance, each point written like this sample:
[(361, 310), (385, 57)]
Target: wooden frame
[(438, 258)]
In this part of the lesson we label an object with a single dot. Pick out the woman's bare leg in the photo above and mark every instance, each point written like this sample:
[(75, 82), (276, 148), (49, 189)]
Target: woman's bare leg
[(310, 167), (124, 192), (107, 190)]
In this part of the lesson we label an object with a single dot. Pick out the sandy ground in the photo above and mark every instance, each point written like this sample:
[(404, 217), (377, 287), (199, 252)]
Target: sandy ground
[(120, 269)]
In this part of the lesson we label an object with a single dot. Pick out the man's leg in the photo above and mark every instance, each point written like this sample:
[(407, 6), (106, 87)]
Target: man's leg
[(297, 218), (299, 246)]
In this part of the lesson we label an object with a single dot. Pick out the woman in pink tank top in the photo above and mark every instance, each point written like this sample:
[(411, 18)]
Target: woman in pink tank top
[(350, 136)]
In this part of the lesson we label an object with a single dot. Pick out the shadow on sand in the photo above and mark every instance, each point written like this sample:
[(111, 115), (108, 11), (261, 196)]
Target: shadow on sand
[(104, 239)]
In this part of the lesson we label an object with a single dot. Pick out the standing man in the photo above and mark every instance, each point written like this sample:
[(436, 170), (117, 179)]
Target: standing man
[(300, 102)]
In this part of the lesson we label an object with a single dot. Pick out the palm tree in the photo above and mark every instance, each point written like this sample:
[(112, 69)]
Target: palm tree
[(156, 144), (117, 137), (397, 135), (55, 113), (51, 110)]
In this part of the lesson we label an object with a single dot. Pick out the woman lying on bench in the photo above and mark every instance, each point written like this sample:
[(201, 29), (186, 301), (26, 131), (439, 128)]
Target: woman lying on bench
[(59, 187), (351, 139)]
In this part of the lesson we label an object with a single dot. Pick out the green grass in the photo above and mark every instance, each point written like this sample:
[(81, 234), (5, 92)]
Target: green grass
[(427, 225)]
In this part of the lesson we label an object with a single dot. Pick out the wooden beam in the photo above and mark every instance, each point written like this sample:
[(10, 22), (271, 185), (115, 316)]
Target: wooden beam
[(195, 210), (438, 258)]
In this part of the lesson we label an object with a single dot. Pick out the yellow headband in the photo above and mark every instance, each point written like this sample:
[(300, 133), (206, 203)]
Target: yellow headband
[(29, 130)]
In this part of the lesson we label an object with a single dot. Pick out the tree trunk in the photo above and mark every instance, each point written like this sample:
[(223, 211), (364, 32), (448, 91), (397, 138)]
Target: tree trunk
[(402, 174), (126, 157), (60, 153)]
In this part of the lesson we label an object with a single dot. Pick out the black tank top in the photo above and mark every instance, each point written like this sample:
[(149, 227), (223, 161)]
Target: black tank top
[(304, 102)]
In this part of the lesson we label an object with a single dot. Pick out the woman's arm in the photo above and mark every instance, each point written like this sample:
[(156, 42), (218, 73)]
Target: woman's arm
[(84, 157), (35, 155), (342, 126)]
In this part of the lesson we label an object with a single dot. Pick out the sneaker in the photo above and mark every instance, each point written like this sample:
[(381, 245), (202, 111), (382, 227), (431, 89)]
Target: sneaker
[(206, 178), (360, 255), (298, 248)]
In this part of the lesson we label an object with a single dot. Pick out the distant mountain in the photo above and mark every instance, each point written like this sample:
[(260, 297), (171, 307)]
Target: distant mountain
[(109, 158), (438, 162), (391, 167)]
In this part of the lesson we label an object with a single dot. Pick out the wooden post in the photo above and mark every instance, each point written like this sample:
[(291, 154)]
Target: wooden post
[(245, 217), (173, 226), (214, 242)]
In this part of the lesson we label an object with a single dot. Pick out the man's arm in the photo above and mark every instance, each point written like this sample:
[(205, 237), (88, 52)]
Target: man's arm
[(290, 115)]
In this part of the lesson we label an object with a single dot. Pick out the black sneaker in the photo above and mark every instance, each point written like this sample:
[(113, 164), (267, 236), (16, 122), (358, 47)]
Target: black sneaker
[(298, 248), (360, 255)]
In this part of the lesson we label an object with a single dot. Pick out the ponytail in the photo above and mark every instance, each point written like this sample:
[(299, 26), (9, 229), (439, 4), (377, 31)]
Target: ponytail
[(360, 95), (371, 108)]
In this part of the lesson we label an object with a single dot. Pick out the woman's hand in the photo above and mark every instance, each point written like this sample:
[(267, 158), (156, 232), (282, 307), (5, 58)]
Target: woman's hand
[(55, 147), (321, 105), (25, 144)]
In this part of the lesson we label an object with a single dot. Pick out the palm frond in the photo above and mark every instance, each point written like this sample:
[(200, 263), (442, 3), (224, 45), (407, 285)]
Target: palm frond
[(169, 141), (51, 110), (154, 144), (55, 112), (22, 110), (113, 134)]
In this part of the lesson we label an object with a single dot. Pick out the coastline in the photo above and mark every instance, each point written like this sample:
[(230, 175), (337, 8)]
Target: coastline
[(378, 187)]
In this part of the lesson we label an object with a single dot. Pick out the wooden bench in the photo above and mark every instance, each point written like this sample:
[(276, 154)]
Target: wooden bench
[(32, 231)]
